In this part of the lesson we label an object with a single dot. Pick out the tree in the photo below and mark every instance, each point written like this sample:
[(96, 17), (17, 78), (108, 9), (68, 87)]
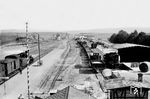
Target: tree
[(132, 37), (146, 40), (112, 38), (140, 38), (121, 37)]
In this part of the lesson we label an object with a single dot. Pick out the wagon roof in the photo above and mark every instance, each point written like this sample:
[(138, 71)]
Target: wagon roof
[(13, 56), (106, 50)]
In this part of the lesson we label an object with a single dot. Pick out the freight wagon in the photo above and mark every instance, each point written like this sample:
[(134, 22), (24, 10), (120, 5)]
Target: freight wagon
[(14, 62)]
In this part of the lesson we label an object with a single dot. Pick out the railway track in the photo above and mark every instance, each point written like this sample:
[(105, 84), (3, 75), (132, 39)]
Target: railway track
[(49, 80), (52, 76), (61, 67), (86, 61)]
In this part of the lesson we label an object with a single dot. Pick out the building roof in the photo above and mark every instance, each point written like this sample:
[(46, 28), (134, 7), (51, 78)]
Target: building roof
[(106, 50), (70, 93), (121, 83), (126, 45)]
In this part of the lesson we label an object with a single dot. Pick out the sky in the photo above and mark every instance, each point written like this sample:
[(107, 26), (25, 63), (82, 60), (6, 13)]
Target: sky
[(73, 14)]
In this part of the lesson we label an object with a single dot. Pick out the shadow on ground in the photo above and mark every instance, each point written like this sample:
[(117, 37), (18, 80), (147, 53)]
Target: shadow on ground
[(123, 67), (78, 66), (36, 65), (87, 71)]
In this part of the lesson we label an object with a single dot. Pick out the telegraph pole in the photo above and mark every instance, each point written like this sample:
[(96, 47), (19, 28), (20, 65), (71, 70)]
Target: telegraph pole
[(40, 62), (27, 34), (27, 61)]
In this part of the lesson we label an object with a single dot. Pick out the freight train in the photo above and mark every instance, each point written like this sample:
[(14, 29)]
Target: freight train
[(102, 55), (99, 56), (107, 57), (115, 59), (14, 62)]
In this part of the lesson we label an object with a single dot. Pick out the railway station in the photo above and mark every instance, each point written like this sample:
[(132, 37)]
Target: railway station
[(101, 72), (74, 49)]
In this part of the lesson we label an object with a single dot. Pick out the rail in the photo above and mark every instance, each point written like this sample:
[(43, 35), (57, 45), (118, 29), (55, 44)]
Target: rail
[(61, 67)]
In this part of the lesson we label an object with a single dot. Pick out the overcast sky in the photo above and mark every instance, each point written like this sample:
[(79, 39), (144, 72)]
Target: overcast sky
[(74, 14)]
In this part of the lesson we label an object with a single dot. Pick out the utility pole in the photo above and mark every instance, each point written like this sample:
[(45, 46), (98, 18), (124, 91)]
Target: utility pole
[(40, 62), (28, 61), (39, 47), (27, 34)]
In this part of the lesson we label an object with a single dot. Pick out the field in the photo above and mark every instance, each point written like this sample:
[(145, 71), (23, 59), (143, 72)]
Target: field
[(9, 37)]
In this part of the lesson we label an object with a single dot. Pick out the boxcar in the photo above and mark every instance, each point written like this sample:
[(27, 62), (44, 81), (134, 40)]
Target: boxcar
[(12, 63), (2, 68)]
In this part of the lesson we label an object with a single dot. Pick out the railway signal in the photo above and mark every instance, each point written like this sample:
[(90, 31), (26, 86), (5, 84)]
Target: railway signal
[(39, 62), (27, 65)]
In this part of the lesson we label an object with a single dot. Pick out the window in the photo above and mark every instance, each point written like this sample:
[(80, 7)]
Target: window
[(14, 64), (1, 68)]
